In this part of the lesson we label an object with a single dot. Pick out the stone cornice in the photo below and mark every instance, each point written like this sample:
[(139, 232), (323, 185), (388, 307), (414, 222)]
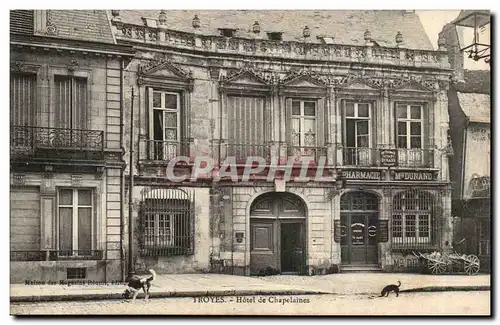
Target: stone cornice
[(296, 50)]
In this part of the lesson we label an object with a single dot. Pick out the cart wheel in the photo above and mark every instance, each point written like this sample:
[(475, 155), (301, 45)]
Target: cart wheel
[(437, 267), (471, 264)]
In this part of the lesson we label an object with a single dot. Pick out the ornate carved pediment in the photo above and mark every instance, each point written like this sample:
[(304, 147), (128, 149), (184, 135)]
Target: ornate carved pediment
[(17, 66), (354, 81), (247, 75), (305, 78), (412, 83), (164, 68)]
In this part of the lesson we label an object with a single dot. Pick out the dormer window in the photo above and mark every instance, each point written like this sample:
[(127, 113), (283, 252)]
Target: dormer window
[(275, 36), (326, 39), (227, 32)]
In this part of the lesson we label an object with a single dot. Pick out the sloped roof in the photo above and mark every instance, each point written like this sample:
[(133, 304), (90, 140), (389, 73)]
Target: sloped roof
[(475, 81), (346, 26), (476, 106), (85, 25), (80, 25)]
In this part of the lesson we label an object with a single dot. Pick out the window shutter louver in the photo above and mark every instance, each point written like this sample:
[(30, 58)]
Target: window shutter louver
[(21, 22), (22, 99), (288, 124), (320, 122)]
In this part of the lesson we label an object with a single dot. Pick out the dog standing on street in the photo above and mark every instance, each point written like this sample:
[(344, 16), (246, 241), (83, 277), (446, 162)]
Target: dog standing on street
[(135, 283), (391, 287)]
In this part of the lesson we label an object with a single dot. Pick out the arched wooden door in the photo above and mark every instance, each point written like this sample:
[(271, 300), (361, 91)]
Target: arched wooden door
[(277, 234), (359, 223)]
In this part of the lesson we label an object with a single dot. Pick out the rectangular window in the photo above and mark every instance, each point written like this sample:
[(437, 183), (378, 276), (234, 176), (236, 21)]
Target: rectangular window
[(409, 134), (304, 128), (70, 102), (165, 125), (167, 225), (357, 134), (247, 129), (75, 221), (22, 99)]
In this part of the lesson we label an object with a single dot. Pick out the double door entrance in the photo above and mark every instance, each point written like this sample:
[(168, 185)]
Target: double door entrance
[(277, 235), (358, 238)]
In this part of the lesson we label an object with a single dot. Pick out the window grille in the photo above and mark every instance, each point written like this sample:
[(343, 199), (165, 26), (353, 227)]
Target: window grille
[(415, 220), (167, 223), (74, 273)]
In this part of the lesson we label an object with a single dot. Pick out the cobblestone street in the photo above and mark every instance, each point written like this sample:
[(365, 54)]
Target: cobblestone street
[(444, 303)]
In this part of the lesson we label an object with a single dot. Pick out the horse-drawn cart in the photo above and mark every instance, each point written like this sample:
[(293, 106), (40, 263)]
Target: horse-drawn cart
[(439, 263)]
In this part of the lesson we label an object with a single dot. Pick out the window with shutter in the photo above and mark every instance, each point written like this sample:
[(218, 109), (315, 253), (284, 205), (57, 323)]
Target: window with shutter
[(70, 102), (22, 99), (246, 127)]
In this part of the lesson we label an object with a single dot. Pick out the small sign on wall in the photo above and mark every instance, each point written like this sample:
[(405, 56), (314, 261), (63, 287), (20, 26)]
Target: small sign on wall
[(388, 157)]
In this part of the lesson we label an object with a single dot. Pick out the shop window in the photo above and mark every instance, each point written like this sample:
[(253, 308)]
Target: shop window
[(413, 221)]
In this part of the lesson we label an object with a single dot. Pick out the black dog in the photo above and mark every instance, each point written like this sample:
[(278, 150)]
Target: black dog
[(135, 283), (391, 287)]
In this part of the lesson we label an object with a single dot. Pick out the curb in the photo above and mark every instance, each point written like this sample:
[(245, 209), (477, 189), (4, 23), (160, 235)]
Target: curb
[(449, 288), (171, 294), (203, 293)]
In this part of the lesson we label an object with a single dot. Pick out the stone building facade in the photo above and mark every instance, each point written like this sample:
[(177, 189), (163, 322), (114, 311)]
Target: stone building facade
[(361, 96), (347, 119), (66, 164)]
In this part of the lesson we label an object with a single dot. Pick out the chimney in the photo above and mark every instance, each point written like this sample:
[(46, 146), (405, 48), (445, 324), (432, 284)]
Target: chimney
[(452, 46)]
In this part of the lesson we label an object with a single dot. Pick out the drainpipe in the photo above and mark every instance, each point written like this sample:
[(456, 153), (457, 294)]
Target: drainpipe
[(122, 174), (131, 266), (464, 155)]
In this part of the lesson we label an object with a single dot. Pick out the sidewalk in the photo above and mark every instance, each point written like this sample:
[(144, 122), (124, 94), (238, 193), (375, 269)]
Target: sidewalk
[(195, 285)]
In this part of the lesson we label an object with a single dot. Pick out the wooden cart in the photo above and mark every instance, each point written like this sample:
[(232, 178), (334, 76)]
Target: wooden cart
[(440, 263)]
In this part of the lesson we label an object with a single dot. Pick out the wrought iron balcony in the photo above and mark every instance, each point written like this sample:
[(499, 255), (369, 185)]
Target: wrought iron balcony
[(415, 157), (56, 143), (371, 157), (359, 156), (242, 151), (160, 151), (307, 153)]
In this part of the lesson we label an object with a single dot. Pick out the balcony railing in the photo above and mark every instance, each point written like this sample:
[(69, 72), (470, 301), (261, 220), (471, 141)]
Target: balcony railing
[(163, 151), (359, 156), (240, 152), (59, 143), (305, 153), (415, 157), (56, 255), (367, 157)]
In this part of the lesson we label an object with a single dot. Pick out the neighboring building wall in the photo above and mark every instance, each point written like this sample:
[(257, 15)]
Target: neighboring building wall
[(48, 155)]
